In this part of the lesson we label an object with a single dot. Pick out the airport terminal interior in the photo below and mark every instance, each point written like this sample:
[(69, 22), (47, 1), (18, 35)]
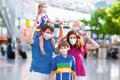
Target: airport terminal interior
[(17, 17)]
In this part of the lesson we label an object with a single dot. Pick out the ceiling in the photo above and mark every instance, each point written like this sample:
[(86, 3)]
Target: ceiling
[(85, 6)]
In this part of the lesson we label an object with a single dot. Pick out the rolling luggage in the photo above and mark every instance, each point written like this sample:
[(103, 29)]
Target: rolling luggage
[(11, 55), (23, 54)]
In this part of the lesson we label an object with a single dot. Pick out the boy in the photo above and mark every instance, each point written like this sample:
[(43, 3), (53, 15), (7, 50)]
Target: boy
[(63, 65)]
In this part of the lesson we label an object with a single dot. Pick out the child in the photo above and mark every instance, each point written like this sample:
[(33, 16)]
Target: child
[(3, 50), (63, 65), (42, 18), (76, 26)]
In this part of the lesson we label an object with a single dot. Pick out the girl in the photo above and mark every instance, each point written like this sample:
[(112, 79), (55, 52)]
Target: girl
[(42, 18)]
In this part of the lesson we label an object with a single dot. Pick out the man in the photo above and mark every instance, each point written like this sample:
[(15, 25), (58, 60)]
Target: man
[(41, 64)]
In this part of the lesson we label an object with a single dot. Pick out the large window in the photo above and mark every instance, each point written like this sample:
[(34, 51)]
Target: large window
[(3, 29)]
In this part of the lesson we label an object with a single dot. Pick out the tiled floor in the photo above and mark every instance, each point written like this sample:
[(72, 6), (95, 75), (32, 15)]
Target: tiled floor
[(97, 69)]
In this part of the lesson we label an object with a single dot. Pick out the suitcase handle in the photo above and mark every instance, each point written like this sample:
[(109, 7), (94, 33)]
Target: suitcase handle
[(62, 71), (58, 71)]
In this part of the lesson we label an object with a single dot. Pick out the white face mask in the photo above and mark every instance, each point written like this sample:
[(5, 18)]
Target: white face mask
[(47, 36), (72, 41), (64, 51), (75, 28), (80, 32), (44, 10)]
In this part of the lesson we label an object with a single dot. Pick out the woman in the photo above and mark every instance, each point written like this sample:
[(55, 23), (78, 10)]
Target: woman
[(78, 49)]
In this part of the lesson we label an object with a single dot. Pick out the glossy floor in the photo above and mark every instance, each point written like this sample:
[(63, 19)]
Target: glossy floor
[(97, 69)]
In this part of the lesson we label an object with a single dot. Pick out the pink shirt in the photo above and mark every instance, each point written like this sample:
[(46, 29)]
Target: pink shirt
[(78, 55)]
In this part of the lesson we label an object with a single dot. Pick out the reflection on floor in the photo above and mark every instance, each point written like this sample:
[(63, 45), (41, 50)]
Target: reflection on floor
[(97, 69)]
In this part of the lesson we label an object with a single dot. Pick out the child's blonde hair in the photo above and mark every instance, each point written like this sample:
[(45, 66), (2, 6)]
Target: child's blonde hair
[(40, 6)]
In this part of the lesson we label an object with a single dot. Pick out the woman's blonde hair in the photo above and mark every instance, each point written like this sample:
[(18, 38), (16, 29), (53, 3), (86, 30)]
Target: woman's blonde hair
[(40, 6), (79, 42)]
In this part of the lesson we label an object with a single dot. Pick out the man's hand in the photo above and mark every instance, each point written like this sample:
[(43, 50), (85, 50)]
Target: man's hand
[(61, 24)]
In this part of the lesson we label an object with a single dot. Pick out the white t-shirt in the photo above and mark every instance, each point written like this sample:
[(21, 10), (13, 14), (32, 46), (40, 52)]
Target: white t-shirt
[(4, 47)]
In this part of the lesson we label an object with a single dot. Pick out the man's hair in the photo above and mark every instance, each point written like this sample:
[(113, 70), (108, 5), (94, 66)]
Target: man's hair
[(63, 43), (47, 26)]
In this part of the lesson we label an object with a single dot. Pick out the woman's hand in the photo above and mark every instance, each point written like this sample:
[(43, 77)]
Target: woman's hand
[(85, 35)]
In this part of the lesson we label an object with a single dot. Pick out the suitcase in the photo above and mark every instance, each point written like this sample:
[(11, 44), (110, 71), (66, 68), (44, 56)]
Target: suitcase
[(11, 56), (23, 54)]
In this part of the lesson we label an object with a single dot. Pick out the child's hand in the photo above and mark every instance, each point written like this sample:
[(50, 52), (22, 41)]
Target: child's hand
[(85, 35), (43, 53), (56, 51)]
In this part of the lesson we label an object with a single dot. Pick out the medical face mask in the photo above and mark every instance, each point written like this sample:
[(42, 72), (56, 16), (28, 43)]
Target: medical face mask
[(75, 28), (44, 10), (64, 51), (80, 32), (72, 41), (47, 36)]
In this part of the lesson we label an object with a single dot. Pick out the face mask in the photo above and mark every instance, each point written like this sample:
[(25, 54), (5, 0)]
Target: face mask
[(80, 32), (64, 51), (47, 36), (73, 41), (75, 28), (44, 10)]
